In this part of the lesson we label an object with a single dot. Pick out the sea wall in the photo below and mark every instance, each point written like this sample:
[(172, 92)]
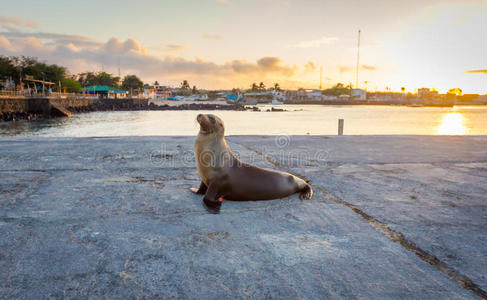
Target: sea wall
[(73, 102), (12, 109), (12, 105)]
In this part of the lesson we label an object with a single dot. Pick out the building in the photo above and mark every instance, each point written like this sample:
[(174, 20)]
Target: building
[(426, 93), (279, 95), (162, 92), (104, 91), (315, 95), (359, 94)]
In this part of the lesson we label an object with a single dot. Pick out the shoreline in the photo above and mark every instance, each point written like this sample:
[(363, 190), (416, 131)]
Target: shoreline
[(114, 106), (10, 116)]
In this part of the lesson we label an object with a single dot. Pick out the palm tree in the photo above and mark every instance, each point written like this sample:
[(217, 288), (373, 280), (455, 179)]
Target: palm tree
[(254, 87), (185, 85), (261, 86), (277, 87)]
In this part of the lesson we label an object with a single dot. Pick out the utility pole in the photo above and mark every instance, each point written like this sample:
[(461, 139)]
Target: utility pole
[(321, 74), (358, 60)]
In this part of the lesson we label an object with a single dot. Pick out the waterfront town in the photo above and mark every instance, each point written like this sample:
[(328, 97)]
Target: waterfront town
[(27, 78)]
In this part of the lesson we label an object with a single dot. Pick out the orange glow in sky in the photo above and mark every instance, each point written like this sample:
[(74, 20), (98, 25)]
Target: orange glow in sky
[(225, 44)]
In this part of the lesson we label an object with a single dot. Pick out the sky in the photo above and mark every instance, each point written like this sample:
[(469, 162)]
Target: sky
[(220, 44)]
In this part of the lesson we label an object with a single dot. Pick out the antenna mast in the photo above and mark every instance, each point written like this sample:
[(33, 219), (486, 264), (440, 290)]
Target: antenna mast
[(358, 59)]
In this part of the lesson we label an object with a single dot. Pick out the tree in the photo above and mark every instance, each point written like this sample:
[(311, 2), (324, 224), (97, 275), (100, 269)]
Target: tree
[(337, 90), (86, 79), (70, 85), (185, 85), (277, 87), (261, 86), (455, 91), (132, 82), (8, 68), (255, 88), (103, 78), (16, 67), (403, 89), (194, 91), (156, 83)]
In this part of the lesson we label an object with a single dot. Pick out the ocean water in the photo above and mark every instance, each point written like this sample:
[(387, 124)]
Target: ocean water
[(297, 120)]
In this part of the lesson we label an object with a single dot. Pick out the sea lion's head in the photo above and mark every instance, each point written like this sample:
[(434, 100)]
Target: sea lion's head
[(210, 124)]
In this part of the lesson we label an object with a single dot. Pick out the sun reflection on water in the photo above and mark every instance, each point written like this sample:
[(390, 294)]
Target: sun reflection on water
[(453, 123)]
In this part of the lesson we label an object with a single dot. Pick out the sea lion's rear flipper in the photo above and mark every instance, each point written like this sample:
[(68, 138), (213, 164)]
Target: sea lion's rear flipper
[(201, 191), (306, 193), (212, 200)]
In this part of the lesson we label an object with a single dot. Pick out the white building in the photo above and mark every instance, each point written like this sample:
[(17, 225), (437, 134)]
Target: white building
[(278, 95), (314, 95), (359, 94)]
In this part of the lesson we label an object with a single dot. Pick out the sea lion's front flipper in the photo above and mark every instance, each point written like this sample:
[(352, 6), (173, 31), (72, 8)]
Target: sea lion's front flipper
[(306, 193), (201, 190), (212, 202)]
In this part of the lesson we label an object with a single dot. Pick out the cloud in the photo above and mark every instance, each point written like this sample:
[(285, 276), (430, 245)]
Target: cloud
[(209, 36), (54, 38), (174, 48), (484, 71), (344, 69), (315, 43), (134, 59), (13, 23), (309, 67), (264, 65), (369, 68), (168, 48), (116, 46)]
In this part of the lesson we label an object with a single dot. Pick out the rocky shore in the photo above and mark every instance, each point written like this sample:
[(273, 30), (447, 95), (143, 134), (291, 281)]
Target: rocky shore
[(122, 106), (100, 106), (17, 116)]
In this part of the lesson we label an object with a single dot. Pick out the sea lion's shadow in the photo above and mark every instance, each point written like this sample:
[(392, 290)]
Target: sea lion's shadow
[(257, 205)]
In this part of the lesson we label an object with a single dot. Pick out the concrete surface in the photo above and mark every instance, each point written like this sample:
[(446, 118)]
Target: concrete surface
[(392, 217)]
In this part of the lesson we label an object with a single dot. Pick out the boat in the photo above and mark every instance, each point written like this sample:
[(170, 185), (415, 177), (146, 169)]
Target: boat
[(415, 105), (176, 98), (203, 97), (238, 99), (276, 102)]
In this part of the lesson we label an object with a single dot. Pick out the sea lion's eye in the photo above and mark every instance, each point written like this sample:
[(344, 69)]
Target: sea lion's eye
[(212, 119)]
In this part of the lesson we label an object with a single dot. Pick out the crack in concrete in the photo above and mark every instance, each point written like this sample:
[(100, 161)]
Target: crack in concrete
[(394, 236)]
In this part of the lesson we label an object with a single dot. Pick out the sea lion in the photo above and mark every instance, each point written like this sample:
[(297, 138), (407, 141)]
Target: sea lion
[(223, 175)]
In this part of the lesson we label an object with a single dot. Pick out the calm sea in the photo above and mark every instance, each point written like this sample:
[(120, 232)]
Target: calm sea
[(297, 120)]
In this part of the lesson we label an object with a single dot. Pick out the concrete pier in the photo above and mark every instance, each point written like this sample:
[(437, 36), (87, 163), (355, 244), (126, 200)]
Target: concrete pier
[(392, 217)]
